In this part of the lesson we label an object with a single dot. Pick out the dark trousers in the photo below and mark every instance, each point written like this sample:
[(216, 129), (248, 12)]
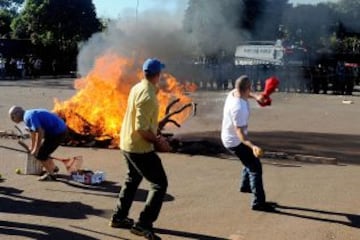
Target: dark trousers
[(149, 166), (49, 145), (251, 173)]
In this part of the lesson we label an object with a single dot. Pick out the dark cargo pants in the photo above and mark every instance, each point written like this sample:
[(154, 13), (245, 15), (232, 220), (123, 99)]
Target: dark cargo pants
[(148, 166)]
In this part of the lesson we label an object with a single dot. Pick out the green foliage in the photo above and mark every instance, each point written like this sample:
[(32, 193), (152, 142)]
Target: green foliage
[(11, 5), (220, 25), (348, 13), (5, 21), (8, 10), (57, 24), (348, 45), (311, 24)]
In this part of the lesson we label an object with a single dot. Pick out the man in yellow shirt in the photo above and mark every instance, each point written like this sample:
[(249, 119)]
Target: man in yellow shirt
[(137, 139)]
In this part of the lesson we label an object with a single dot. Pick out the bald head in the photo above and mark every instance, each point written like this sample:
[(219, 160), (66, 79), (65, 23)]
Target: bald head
[(242, 83), (16, 113)]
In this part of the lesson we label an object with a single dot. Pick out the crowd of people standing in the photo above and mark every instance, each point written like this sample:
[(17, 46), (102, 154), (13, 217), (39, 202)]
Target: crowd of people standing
[(28, 67), (318, 79)]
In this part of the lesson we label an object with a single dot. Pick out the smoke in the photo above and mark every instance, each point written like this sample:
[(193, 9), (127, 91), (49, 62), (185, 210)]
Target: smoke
[(298, 2), (159, 32), (215, 28), (150, 33)]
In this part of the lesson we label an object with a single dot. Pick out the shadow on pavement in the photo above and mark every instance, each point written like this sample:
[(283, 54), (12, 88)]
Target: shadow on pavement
[(187, 235), (12, 202), (59, 83), (285, 165), (32, 231), (12, 149), (105, 189), (10, 191), (345, 148), (353, 218), (97, 232)]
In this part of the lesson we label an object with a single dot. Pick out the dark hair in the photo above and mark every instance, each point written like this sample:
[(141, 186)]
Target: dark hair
[(150, 75)]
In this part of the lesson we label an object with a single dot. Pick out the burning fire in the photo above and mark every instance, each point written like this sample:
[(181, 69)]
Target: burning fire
[(99, 105)]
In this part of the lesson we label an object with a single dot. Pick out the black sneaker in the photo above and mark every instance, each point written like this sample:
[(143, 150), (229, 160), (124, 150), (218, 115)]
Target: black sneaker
[(47, 177), (245, 190), (265, 207), (146, 232), (126, 223), (56, 169)]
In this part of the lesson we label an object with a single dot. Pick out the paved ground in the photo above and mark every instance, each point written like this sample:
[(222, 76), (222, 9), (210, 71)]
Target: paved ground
[(315, 201)]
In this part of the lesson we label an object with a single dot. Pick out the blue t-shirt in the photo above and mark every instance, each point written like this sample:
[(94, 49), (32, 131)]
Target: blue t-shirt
[(42, 118)]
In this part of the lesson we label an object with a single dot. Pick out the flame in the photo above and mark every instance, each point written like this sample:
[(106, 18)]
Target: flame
[(99, 105)]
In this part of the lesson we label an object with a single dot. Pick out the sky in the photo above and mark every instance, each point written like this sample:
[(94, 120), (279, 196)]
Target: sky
[(115, 8)]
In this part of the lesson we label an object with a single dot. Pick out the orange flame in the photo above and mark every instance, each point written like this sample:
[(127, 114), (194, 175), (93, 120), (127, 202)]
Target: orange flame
[(99, 104)]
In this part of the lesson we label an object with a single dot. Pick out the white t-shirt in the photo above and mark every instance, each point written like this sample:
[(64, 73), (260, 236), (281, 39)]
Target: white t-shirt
[(2, 64), (236, 114)]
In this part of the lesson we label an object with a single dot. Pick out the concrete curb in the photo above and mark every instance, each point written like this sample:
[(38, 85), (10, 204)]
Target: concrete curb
[(301, 158), (315, 159)]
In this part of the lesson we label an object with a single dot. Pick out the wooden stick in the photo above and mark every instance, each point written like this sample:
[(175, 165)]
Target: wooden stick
[(24, 145), (167, 117)]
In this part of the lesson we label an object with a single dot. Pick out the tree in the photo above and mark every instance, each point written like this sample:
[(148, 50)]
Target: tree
[(11, 5), (8, 11), (310, 24), (5, 21), (345, 29), (58, 26), (221, 25), (348, 12)]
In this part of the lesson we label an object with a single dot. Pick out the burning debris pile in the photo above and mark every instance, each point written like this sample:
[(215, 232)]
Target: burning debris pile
[(94, 114)]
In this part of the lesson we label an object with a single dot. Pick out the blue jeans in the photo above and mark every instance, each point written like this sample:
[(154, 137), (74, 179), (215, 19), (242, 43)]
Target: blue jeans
[(251, 173)]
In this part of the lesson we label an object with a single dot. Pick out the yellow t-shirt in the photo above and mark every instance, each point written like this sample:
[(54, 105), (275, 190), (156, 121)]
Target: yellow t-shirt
[(141, 114)]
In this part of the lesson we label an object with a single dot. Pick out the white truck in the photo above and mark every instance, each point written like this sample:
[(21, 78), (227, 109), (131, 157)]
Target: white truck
[(270, 53)]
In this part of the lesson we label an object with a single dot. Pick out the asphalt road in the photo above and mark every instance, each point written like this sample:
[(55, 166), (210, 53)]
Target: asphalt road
[(314, 201)]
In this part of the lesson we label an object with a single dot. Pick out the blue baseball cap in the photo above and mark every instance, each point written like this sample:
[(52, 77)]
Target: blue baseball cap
[(153, 66)]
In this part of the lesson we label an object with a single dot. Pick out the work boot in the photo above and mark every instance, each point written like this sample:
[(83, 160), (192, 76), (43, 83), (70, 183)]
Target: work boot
[(264, 207), (56, 169), (47, 177), (147, 232), (245, 190), (116, 222)]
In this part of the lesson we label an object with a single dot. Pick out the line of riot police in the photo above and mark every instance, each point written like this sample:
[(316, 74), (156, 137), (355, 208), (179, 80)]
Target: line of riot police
[(339, 78)]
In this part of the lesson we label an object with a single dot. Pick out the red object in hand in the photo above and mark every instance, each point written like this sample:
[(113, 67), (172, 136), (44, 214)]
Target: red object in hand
[(270, 86)]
